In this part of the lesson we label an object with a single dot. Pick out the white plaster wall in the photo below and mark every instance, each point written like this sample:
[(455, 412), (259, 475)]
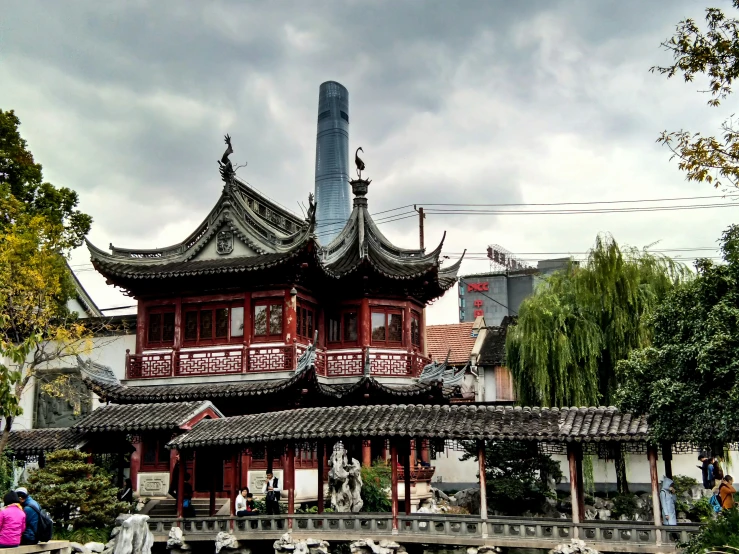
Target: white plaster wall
[(108, 351), (450, 469)]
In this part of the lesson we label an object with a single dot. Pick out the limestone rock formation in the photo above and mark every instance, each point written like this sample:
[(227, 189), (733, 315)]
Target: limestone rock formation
[(368, 546), (345, 481), (130, 535), (227, 541), (95, 546), (287, 543)]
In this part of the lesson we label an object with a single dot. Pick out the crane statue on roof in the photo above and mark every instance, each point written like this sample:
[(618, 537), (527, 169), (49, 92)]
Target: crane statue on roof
[(359, 163)]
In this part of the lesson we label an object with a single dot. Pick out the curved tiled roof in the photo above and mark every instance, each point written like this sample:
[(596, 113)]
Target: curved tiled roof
[(143, 417), (421, 421), (33, 442)]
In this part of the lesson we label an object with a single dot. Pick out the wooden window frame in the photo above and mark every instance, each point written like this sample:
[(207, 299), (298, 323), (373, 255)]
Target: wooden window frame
[(158, 443), (302, 332), (269, 302), (341, 314), (160, 310), (417, 317), (387, 311), (211, 307)]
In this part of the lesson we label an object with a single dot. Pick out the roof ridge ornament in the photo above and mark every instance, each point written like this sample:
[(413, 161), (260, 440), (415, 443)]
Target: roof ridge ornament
[(228, 171), (359, 185)]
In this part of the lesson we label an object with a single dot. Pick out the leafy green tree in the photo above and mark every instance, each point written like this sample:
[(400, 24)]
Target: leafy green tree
[(516, 474), (719, 535), (376, 482), (25, 182), (75, 492), (688, 379), (579, 323), (713, 53)]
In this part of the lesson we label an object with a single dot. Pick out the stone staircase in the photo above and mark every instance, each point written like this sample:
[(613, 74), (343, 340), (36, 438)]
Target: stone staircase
[(168, 507)]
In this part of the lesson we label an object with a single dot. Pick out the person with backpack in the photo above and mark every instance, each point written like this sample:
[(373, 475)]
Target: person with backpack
[(33, 511), (726, 492), (271, 490), (667, 499)]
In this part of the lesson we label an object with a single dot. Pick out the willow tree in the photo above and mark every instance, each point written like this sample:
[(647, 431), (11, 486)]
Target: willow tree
[(580, 322)]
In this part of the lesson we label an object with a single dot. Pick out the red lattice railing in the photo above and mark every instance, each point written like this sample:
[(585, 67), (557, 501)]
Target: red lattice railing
[(271, 358), (149, 366), (344, 364), (210, 362)]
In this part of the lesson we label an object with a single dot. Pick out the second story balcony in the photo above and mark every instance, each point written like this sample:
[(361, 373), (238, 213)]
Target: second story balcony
[(270, 358)]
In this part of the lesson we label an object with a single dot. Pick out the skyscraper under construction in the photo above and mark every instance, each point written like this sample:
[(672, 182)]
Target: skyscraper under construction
[(332, 161)]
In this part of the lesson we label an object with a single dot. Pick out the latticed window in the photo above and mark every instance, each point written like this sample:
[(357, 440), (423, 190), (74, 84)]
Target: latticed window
[(160, 327), (268, 320), (155, 455), (387, 326), (212, 324)]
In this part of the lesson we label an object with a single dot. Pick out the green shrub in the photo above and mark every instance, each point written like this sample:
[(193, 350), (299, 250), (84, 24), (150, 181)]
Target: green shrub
[(83, 534), (701, 511), (718, 533), (74, 492), (376, 481), (683, 484), (624, 504)]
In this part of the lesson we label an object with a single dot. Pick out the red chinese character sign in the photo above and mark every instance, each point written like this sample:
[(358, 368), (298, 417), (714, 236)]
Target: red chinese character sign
[(477, 287), (478, 313), (478, 303)]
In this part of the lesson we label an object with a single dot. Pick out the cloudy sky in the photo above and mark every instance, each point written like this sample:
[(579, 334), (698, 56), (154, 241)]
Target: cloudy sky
[(484, 102)]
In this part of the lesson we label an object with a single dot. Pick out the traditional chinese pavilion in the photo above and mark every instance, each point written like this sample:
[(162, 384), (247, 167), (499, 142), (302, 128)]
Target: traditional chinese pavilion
[(251, 314)]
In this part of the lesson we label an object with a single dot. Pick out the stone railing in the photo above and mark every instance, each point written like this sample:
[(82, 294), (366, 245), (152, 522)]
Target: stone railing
[(608, 536)]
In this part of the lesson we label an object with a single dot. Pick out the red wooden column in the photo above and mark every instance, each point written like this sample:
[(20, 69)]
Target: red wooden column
[(234, 482), (181, 482), (425, 454), (394, 482), (291, 316), (140, 327), (365, 323), (414, 448), (289, 472), (573, 453), (407, 327), (407, 477), (136, 463), (320, 450), (654, 475), (212, 488), (483, 482), (245, 466), (366, 453)]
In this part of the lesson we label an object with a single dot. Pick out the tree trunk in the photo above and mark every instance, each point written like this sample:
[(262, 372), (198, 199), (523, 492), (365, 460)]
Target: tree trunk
[(6, 433), (622, 485)]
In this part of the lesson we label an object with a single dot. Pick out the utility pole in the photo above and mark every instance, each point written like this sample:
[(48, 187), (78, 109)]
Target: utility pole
[(421, 217)]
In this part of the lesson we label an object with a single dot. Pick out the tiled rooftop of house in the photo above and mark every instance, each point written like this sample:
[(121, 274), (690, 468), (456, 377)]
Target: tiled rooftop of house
[(457, 337)]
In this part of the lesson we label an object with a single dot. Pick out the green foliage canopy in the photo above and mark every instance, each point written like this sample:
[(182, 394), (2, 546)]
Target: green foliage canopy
[(516, 474), (713, 53), (688, 380), (75, 492), (24, 180), (580, 322), (376, 481)]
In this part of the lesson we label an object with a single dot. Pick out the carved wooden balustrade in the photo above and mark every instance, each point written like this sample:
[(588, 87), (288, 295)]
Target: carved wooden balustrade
[(420, 474), (265, 358)]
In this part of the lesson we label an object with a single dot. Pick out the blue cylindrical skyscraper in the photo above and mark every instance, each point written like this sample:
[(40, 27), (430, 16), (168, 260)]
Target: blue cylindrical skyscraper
[(332, 161)]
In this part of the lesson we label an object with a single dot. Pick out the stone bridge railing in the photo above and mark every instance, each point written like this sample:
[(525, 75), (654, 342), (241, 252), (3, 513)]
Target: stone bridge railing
[(606, 536)]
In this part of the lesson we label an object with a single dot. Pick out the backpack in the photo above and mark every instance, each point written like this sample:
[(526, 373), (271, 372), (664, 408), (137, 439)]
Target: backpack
[(45, 526), (715, 502)]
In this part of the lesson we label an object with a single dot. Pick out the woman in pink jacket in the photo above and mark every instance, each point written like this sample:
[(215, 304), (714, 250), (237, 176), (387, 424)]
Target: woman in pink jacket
[(12, 521)]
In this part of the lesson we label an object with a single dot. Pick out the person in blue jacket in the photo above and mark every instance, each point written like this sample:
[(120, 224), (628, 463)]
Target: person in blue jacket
[(28, 503)]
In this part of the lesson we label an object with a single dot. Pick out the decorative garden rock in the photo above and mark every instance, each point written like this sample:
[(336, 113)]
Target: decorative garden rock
[(368, 546), (226, 540), (286, 543), (345, 481), (131, 535), (574, 547)]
